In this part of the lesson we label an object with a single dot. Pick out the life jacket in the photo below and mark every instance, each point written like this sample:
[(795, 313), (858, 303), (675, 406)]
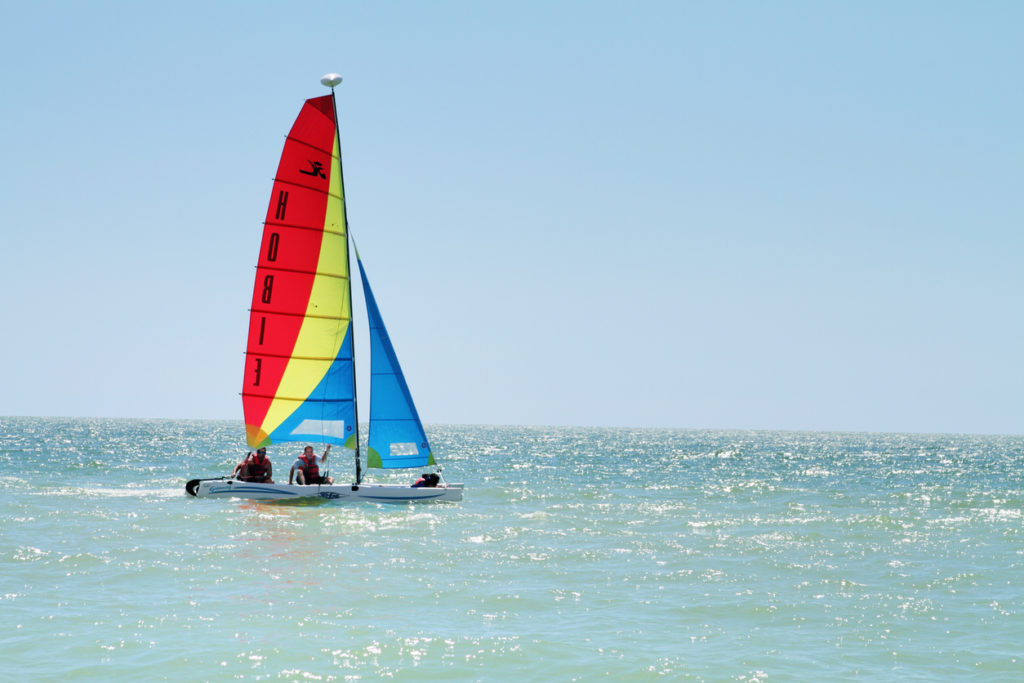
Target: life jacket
[(427, 480), (254, 468), (312, 470)]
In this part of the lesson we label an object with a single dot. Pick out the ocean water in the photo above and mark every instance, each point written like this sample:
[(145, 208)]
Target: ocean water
[(576, 554)]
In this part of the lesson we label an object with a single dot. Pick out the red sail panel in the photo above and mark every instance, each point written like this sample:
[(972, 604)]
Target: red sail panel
[(289, 253)]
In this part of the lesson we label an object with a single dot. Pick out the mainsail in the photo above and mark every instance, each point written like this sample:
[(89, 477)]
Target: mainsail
[(299, 377), (396, 436)]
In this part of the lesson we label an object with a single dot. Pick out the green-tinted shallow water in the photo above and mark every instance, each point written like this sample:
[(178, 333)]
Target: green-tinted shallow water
[(576, 554)]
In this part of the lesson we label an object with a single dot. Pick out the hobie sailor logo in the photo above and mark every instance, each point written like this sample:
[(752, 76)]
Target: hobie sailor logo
[(316, 168)]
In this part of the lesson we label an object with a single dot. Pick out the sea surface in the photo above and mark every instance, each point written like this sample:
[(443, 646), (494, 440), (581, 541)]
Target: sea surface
[(577, 554)]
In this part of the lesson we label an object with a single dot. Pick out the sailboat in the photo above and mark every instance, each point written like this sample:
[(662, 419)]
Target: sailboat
[(299, 382)]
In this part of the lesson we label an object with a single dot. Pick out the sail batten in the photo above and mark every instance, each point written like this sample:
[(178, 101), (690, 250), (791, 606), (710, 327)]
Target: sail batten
[(272, 355), (323, 273), (278, 397), (304, 143), (302, 315), (304, 227), (311, 188)]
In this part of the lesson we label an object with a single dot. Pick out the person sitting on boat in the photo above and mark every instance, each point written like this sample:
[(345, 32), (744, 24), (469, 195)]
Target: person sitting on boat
[(308, 470), (255, 467), (427, 480)]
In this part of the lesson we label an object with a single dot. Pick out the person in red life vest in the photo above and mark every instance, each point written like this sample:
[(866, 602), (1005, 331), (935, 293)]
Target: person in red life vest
[(428, 480), (308, 472), (256, 467)]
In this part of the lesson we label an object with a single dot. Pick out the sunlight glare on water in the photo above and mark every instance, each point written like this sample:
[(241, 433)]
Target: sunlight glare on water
[(576, 553)]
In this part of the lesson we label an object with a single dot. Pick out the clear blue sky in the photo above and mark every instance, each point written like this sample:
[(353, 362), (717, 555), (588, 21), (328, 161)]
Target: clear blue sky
[(784, 215)]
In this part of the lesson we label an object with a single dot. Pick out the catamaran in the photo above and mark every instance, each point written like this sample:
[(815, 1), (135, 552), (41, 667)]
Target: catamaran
[(299, 383)]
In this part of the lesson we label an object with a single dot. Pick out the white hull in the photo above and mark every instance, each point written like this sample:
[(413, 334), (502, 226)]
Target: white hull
[(380, 493)]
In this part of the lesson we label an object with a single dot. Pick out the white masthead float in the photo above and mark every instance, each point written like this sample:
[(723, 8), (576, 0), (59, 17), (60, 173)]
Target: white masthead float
[(299, 383), (331, 80)]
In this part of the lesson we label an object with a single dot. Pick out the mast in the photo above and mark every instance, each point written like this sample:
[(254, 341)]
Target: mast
[(331, 80)]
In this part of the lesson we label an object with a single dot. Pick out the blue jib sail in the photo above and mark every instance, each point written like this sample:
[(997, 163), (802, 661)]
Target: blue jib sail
[(396, 433)]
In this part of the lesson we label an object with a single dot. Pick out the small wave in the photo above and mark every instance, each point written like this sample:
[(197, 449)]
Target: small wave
[(111, 492)]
